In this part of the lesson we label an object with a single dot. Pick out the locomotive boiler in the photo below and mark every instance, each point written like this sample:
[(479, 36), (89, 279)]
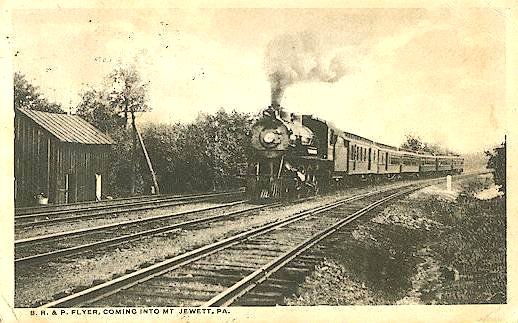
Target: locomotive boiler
[(286, 155)]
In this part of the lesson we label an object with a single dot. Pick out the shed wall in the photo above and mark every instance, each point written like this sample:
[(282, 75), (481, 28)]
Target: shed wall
[(64, 171)]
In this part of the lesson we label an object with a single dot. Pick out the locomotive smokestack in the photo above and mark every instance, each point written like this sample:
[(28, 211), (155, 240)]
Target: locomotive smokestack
[(275, 101), (277, 90), (276, 106)]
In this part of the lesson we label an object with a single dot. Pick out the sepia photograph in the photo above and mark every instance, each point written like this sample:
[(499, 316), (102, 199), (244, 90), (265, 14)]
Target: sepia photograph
[(195, 163)]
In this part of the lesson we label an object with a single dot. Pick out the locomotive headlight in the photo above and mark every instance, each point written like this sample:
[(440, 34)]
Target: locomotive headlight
[(269, 137)]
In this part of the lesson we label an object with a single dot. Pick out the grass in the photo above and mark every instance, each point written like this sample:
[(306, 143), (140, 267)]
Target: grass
[(433, 247)]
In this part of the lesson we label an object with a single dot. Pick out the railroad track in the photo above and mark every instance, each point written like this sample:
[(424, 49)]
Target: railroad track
[(225, 271), (112, 202), (53, 216), (26, 210), (47, 247)]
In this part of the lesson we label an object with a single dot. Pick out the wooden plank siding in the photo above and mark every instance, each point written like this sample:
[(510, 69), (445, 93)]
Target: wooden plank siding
[(43, 163)]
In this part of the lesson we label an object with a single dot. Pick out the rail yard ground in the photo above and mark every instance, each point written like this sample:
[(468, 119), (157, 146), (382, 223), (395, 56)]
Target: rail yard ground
[(43, 282), (432, 247)]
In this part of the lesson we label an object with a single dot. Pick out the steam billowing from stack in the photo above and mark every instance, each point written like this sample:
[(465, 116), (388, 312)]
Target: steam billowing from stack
[(297, 58)]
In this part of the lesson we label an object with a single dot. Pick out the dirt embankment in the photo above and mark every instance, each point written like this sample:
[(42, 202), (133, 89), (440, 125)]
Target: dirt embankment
[(433, 247)]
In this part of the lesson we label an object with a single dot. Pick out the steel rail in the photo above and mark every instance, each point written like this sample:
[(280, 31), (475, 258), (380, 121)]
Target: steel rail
[(240, 288), (108, 288), (111, 287), (99, 215), (130, 237), (118, 224), (28, 210), (228, 296), (134, 206)]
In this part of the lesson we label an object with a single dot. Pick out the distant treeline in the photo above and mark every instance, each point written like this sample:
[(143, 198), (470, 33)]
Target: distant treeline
[(414, 143), (198, 156)]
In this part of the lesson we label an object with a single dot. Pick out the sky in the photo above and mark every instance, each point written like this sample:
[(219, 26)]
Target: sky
[(435, 73)]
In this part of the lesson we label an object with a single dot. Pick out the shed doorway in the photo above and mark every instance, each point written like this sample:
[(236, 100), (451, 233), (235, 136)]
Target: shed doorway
[(98, 187)]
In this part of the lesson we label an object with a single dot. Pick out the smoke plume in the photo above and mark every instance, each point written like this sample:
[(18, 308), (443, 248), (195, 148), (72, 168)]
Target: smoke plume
[(300, 57)]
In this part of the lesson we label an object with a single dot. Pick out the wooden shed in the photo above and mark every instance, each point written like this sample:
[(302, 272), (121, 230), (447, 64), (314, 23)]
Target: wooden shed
[(58, 156)]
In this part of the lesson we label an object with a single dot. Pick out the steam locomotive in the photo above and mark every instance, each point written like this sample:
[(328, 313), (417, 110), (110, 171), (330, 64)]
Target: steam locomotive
[(301, 155)]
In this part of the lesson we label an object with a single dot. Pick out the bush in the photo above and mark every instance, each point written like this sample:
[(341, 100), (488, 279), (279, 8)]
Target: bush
[(119, 168), (497, 162), (199, 156)]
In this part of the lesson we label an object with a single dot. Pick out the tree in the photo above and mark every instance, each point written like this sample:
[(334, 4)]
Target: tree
[(497, 162), (121, 166), (437, 149), (123, 93), (129, 93), (413, 142), (27, 95), (199, 156), (226, 145), (96, 108)]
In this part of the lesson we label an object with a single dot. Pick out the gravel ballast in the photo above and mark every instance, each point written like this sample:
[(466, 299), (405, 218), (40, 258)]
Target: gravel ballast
[(37, 284)]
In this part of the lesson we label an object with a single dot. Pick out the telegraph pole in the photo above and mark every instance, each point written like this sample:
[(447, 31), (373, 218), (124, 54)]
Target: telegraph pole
[(133, 153)]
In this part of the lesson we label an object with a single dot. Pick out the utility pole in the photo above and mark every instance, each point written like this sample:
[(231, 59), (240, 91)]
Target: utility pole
[(133, 153), (149, 165)]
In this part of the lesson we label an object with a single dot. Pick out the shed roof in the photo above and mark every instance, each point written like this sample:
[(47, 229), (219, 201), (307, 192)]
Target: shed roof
[(68, 128)]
